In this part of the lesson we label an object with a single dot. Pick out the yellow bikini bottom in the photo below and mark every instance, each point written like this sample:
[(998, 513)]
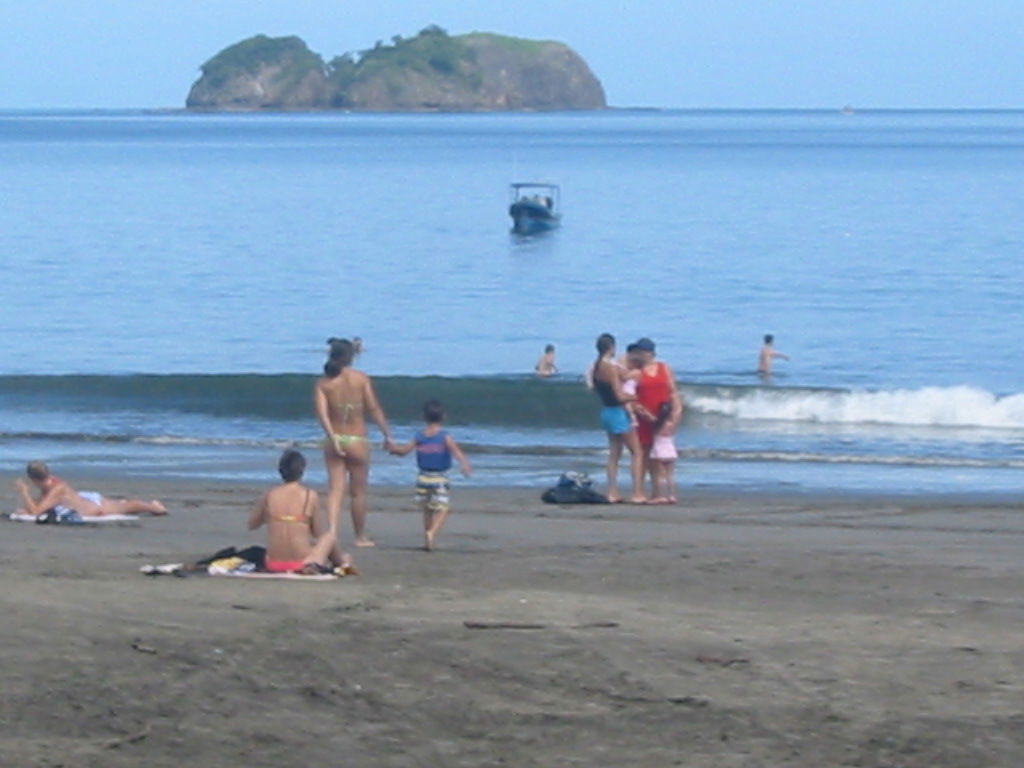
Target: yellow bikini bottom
[(344, 440)]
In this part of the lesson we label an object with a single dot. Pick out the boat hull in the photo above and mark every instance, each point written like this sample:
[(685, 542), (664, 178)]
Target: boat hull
[(530, 218)]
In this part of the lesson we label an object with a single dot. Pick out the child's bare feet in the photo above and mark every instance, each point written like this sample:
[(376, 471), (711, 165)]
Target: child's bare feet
[(362, 541), (428, 541), (639, 500), (158, 507)]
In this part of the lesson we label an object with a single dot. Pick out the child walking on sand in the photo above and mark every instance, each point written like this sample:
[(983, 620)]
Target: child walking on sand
[(434, 451), (663, 458)]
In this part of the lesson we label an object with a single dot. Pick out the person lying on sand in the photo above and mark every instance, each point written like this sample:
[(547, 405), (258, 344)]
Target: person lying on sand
[(297, 539), (57, 495)]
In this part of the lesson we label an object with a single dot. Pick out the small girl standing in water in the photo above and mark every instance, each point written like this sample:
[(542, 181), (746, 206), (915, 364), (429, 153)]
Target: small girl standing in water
[(663, 458)]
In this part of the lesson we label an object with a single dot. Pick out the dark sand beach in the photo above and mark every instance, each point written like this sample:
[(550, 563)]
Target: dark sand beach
[(732, 631)]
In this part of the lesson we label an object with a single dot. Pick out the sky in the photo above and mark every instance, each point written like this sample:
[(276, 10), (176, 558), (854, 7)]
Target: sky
[(647, 53)]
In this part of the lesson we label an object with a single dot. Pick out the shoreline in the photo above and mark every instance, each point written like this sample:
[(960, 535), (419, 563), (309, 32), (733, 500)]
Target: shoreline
[(147, 486), (518, 430)]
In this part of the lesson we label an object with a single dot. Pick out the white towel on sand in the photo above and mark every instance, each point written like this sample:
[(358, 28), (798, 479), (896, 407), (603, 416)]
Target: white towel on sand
[(21, 517)]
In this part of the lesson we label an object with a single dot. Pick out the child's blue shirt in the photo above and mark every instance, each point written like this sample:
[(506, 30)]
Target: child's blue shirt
[(432, 454)]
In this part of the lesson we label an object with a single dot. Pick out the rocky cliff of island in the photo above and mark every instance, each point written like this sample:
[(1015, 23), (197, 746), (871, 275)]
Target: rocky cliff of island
[(431, 72)]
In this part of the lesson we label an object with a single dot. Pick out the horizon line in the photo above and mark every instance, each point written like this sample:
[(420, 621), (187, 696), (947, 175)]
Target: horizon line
[(846, 109)]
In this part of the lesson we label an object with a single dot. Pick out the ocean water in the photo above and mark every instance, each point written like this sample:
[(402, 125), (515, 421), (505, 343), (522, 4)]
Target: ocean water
[(168, 280)]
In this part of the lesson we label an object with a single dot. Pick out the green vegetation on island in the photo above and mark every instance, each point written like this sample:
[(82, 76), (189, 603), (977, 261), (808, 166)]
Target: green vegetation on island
[(431, 53), (247, 56), (261, 71), (432, 71)]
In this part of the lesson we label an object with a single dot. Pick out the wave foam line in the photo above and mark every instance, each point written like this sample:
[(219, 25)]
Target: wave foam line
[(802, 457), (928, 407), (281, 444), (547, 453), (169, 440)]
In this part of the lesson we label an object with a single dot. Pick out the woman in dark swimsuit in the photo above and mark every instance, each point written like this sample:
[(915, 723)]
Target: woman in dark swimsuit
[(607, 377)]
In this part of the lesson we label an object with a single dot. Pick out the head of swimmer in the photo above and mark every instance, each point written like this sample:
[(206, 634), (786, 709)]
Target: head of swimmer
[(292, 466), (340, 354)]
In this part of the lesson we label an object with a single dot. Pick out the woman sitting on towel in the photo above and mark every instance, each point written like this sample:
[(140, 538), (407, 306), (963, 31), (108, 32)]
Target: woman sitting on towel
[(57, 496), (297, 539)]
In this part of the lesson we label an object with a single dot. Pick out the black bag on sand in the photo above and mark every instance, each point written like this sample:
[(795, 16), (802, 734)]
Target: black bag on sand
[(573, 488), (254, 554)]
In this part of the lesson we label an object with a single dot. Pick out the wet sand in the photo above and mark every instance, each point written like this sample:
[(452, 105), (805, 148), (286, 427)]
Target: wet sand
[(732, 631)]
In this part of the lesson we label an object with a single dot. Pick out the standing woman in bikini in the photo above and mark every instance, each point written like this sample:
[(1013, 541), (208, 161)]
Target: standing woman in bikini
[(607, 376), (342, 399)]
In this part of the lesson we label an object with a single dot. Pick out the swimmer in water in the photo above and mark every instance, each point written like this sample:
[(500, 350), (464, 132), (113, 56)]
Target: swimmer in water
[(767, 356), (546, 364)]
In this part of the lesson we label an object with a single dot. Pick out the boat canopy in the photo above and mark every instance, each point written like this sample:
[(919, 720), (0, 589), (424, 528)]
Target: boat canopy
[(521, 189)]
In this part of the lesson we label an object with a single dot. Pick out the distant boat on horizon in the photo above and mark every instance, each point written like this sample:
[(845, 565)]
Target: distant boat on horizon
[(848, 110)]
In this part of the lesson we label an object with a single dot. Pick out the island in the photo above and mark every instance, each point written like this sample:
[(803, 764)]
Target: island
[(430, 72)]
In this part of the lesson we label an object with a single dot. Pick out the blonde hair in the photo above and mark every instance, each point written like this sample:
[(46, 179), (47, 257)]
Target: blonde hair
[(37, 470)]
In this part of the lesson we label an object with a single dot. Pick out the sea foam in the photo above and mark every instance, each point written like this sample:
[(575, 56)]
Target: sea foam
[(967, 407)]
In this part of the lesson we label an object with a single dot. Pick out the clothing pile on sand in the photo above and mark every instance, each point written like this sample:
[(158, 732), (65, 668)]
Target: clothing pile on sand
[(247, 562)]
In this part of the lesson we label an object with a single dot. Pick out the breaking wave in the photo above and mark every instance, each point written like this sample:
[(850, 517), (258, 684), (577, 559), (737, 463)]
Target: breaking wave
[(952, 407), (509, 401)]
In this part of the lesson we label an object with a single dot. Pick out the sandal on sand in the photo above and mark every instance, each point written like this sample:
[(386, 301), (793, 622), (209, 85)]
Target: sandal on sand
[(176, 569)]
